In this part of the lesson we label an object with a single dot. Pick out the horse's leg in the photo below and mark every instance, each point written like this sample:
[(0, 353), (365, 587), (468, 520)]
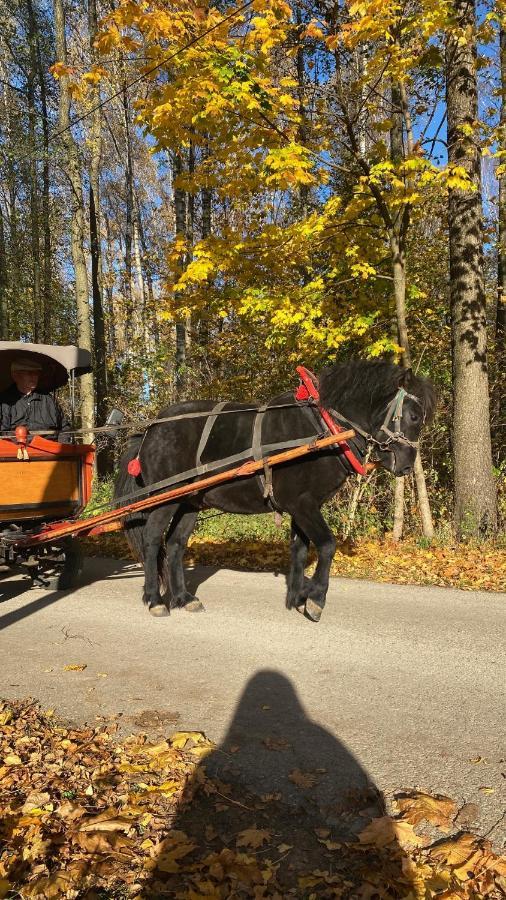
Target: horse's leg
[(309, 519), (177, 540), (299, 546), (158, 521)]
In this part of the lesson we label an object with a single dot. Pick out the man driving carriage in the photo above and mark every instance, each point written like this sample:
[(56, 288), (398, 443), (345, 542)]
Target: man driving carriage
[(22, 403)]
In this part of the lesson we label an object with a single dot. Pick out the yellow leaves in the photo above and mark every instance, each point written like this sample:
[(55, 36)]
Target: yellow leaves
[(95, 75), (455, 851), (457, 178), (181, 739), (60, 70), (75, 667), (37, 803), (418, 807), (6, 715), (288, 166), (12, 759), (253, 837), (385, 831), (169, 851)]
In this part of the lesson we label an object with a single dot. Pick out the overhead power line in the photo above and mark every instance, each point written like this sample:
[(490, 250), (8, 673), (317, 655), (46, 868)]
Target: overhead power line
[(129, 84)]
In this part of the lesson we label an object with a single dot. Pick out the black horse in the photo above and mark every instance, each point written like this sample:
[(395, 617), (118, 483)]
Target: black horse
[(385, 404)]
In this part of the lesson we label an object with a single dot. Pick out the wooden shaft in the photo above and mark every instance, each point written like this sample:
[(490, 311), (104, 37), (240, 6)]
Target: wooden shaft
[(248, 468)]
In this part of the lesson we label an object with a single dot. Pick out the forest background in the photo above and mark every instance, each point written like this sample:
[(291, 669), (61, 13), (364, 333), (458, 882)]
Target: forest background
[(210, 194)]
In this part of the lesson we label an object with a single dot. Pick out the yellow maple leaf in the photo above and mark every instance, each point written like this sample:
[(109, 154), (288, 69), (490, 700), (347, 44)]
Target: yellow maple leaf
[(253, 837), (181, 738), (455, 851), (420, 806), (385, 830)]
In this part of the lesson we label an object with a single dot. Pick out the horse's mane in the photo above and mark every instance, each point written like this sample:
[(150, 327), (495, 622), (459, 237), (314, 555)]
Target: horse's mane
[(376, 381)]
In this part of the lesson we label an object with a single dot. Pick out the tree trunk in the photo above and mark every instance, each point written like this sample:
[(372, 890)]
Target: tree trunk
[(46, 287), (398, 234), (104, 457), (180, 216), (129, 183), (71, 166), (33, 176), (500, 324), (3, 281), (475, 494), (301, 75)]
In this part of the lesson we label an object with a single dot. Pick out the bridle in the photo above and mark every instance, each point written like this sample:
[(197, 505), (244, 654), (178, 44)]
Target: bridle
[(393, 413)]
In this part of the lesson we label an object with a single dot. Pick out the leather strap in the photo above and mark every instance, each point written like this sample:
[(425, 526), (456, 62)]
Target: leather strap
[(206, 431)]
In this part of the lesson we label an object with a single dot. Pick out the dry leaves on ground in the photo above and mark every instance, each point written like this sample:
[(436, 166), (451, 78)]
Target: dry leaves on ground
[(85, 816)]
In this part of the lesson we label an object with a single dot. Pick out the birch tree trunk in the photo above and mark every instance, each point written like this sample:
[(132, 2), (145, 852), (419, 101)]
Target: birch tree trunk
[(475, 494), (398, 235), (72, 168)]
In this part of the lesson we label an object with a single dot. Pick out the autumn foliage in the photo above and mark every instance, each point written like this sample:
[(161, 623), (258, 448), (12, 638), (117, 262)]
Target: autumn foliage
[(86, 815)]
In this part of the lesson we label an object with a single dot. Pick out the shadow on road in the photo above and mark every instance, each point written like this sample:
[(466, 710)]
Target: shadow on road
[(280, 773), (96, 568)]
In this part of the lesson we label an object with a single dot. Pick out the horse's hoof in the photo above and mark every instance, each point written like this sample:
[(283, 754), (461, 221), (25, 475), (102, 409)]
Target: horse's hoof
[(195, 606), (301, 608), (313, 611), (158, 610)]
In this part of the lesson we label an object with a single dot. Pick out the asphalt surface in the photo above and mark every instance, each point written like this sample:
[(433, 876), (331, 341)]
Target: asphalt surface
[(397, 685)]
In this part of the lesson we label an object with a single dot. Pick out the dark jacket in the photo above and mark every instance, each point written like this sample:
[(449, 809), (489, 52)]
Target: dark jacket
[(38, 410)]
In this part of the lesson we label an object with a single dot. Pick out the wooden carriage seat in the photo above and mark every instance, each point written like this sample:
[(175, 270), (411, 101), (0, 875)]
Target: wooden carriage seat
[(54, 482)]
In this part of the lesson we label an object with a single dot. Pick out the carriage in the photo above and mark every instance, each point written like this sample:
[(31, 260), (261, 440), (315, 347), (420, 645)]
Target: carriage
[(45, 485), (43, 481)]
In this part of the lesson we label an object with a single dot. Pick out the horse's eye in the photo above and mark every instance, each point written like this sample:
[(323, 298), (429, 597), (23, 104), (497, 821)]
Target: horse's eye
[(414, 417)]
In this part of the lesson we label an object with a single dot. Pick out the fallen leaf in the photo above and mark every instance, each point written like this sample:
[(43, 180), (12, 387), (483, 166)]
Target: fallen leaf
[(6, 716), (12, 760), (384, 831), (181, 738), (276, 743), (418, 807), (253, 837), (284, 848), (75, 667), (455, 851), (303, 779)]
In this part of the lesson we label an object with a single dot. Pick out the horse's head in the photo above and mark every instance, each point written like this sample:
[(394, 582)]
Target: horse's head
[(397, 425)]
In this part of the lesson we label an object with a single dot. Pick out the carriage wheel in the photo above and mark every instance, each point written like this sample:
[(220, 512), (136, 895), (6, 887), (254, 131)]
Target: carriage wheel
[(59, 567)]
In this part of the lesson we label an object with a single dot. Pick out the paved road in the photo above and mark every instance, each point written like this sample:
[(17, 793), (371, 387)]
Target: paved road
[(400, 685)]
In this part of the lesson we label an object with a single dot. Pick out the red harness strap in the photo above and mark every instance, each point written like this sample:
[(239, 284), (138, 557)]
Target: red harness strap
[(308, 390)]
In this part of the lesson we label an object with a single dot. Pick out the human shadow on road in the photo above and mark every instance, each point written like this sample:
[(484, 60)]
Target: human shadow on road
[(276, 811)]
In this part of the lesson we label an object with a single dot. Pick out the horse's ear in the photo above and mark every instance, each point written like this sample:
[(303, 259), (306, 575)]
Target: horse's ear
[(406, 378)]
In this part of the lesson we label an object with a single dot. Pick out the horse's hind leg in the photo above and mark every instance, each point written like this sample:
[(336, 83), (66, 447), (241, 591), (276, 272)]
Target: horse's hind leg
[(309, 519), (299, 546), (177, 540), (155, 527)]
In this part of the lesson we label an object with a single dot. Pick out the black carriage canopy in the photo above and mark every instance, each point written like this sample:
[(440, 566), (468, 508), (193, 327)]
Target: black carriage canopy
[(57, 362)]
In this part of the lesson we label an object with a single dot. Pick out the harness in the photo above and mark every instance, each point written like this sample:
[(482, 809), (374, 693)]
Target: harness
[(307, 396), (308, 391)]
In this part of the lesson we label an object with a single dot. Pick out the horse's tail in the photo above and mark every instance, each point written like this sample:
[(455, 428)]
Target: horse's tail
[(126, 484)]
